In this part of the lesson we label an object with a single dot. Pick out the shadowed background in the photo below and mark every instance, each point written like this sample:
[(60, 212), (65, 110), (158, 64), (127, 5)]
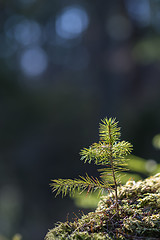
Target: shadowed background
[(64, 65)]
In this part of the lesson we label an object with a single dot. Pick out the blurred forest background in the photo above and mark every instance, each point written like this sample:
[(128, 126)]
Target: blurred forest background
[(64, 65)]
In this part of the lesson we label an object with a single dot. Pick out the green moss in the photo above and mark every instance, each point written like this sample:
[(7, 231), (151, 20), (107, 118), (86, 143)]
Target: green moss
[(139, 206)]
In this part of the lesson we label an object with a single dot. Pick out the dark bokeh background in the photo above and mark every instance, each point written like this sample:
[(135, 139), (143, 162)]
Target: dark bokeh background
[(64, 65)]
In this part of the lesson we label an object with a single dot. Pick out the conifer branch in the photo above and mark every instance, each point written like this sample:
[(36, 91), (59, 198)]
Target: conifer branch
[(121, 149), (97, 153), (69, 186), (109, 152)]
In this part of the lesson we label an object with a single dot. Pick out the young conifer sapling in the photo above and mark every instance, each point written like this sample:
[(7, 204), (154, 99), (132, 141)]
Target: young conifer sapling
[(110, 153)]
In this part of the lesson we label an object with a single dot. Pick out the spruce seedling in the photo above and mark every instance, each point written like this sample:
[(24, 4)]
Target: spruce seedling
[(110, 153)]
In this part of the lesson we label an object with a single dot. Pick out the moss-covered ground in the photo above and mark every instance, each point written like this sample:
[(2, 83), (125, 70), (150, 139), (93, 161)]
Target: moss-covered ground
[(138, 218)]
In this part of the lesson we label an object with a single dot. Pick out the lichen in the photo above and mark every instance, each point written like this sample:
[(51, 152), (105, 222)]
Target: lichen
[(138, 218)]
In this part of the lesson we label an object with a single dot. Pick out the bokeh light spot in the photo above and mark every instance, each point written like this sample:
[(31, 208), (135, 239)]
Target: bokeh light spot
[(10, 24), (22, 30), (139, 11), (151, 165), (156, 141), (27, 32), (71, 22), (34, 61)]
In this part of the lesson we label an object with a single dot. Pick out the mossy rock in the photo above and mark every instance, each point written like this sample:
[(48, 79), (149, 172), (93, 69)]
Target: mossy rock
[(138, 218)]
